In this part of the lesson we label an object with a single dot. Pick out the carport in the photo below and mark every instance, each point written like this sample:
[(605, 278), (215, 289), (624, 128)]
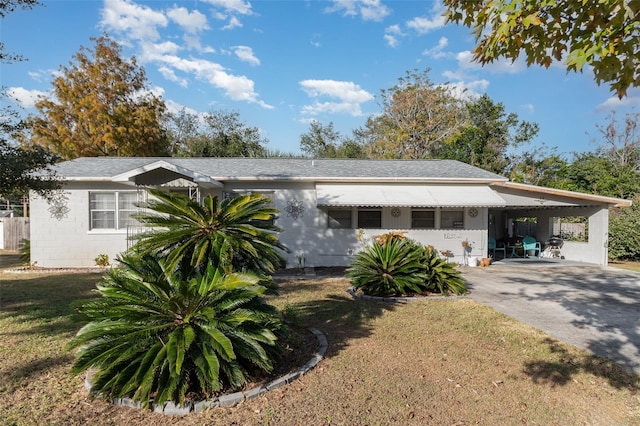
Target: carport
[(545, 210)]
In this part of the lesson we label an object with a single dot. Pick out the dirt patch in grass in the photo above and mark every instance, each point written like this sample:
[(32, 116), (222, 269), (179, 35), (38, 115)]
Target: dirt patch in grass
[(438, 362)]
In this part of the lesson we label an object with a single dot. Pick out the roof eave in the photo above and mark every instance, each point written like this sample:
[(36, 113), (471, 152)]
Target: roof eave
[(615, 202)]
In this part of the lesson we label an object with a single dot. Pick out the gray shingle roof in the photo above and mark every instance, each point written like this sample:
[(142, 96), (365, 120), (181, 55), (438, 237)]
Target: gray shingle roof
[(225, 169)]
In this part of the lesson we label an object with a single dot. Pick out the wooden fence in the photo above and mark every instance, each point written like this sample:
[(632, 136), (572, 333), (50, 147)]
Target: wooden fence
[(12, 231)]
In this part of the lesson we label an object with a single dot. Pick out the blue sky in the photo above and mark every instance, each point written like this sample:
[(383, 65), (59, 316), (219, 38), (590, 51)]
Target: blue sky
[(281, 64)]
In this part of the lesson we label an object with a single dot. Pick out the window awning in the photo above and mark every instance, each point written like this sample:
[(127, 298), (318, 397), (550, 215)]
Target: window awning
[(363, 195)]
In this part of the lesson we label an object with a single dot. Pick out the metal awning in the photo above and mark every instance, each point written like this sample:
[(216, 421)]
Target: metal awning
[(375, 195)]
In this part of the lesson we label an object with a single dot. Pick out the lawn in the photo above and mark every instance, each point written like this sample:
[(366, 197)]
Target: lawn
[(439, 362)]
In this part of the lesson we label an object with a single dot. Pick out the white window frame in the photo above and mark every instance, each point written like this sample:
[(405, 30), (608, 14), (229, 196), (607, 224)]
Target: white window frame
[(118, 218)]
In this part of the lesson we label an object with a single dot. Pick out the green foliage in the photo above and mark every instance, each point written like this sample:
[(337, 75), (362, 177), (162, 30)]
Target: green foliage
[(443, 277), (234, 234), (417, 118), (487, 135), (393, 268), (624, 232), (162, 333), (221, 134), (604, 34), (102, 260), (324, 142), (396, 266), (101, 106), (25, 251), (25, 169)]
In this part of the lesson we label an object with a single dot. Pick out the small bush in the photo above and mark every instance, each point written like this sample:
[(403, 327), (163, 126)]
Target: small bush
[(393, 267), (396, 266), (102, 260)]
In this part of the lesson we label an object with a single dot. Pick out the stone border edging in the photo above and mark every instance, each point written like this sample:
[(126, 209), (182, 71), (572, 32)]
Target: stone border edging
[(355, 295), (229, 400)]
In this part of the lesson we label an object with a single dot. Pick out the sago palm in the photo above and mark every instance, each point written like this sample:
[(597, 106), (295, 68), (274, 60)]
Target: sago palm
[(158, 333), (393, 267), (442, 276), (233, 234)]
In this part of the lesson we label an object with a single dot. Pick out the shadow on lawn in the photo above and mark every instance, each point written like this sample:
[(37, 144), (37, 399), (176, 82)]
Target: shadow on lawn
[(47, 302), (561, 372), (340, 318)]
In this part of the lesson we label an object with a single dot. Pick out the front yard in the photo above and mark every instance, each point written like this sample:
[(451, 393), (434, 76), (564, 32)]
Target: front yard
[(438, 362)]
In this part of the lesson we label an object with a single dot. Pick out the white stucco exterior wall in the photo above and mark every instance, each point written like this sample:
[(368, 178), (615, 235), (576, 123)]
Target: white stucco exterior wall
[(68, 241)]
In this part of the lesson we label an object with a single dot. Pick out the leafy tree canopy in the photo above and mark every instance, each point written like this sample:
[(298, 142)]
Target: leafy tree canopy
[(604, 34), (101, 107), (215, 134), (322, 141), (488, 134), (417, 118), (22, 169)]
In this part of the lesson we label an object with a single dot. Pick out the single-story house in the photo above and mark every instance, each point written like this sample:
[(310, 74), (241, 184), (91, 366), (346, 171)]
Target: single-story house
[(329, 208)]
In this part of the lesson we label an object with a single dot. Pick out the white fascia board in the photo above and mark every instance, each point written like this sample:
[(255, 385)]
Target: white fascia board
[(196, 177)]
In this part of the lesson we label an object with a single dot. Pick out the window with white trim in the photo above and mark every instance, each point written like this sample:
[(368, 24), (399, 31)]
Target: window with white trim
[(423, 219), (339, 218), (370, 218), (112, 210), (452, 219)]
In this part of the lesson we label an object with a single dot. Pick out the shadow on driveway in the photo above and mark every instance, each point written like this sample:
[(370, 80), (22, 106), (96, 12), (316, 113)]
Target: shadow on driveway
[(594, 308)]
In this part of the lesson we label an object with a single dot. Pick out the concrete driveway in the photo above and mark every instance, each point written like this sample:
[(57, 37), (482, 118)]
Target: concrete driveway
[(591, 307)]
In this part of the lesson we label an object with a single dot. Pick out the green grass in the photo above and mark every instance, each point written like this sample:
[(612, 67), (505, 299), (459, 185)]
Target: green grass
[(626, 264), (441, 362)]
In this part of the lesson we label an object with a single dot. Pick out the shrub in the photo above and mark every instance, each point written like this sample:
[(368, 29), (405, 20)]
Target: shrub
[(624, 232), (162, 333), (102, 260), (394, 265), (443, 277), (233, 234)]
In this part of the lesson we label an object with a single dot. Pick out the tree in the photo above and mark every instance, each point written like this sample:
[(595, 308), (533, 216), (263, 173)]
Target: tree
[(417, 118), (324, 142), (487, 135), (220, 134), (621, 141), (604, 34), (162, 333), (624, 232), (101, 107), (234, 234), (22, 169), (6, 7)]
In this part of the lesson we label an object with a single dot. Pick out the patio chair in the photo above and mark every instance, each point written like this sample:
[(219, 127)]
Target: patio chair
[(494, 248), (530, 243)]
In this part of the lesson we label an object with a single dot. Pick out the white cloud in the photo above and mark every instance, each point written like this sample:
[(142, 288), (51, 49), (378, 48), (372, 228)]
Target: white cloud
[(233, 6), (369, 10), (26, 98), (170, 75), (192, 22), (437, 52), (530, 108), (138, 22), (349, 97), (466, 90), (233, 23), (423, 25), (392, 34), (613, 102), (500, 66), (245, 54), (238, 88)]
